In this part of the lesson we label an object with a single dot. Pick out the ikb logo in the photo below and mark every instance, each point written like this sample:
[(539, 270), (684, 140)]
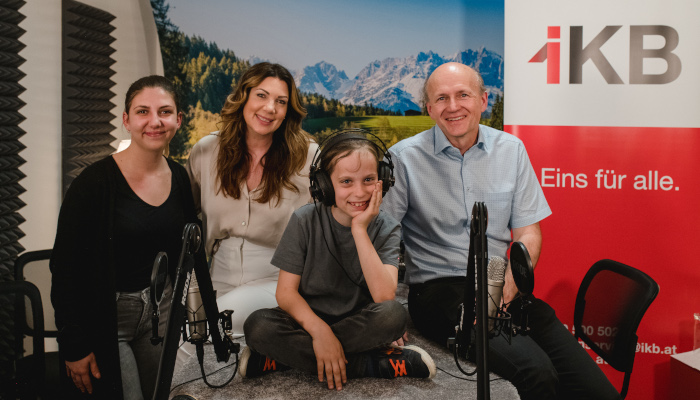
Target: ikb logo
[(579, 54)]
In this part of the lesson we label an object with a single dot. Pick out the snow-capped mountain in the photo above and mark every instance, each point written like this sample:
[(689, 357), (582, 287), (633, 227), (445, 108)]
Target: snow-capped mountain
[(324, 79), (396, 83), (252, 60)]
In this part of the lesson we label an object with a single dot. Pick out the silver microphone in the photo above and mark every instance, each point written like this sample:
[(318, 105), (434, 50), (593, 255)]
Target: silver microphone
[(496, 272), (196, 316)]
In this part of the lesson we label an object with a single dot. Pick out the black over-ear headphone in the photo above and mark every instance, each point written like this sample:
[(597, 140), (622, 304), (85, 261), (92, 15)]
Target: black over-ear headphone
[(321, 186)]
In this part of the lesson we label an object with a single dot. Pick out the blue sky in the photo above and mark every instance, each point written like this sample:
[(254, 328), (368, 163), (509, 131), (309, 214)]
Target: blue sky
[(348, 34)]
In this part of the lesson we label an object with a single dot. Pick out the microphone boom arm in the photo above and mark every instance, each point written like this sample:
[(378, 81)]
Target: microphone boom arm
[(223, 345)]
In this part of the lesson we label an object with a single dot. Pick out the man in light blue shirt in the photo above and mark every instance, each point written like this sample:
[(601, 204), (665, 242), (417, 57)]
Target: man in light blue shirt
[(440, 173), (496, 170)]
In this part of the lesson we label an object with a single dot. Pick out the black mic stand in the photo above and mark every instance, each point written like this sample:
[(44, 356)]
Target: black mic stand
[(524, 279), (223, 345), (481, 257), (477, 275)]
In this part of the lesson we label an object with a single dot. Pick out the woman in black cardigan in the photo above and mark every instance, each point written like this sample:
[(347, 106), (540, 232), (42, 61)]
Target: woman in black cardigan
[(116, 216)]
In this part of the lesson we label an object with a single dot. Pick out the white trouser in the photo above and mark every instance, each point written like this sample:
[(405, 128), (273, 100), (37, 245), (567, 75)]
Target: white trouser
[(229, 270), (244, 281)]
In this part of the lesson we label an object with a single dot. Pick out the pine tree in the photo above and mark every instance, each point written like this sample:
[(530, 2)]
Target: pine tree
[(174, 56), (496, 120)]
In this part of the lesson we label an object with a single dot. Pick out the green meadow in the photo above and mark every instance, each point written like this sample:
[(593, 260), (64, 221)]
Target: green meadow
[(419, 122), (389, 128)]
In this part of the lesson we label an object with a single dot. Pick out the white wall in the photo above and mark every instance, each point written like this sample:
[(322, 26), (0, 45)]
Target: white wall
[(43, 122)]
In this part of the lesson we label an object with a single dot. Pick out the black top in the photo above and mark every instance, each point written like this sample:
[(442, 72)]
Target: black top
[(141, 231), (84, 269)]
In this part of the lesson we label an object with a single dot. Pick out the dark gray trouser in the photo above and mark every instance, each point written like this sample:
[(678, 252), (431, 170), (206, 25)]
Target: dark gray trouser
[(547, 364), (276, 334)]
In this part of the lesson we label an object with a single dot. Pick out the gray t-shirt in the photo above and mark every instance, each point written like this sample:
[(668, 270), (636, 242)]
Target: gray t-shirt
[(313, 245)]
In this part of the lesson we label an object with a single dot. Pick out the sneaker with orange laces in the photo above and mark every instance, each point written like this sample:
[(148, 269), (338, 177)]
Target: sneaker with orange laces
[(252, 364), (394, 362)]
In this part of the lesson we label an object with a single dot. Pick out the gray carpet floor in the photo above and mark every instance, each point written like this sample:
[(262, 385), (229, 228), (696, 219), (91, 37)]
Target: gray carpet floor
[(449, 383)]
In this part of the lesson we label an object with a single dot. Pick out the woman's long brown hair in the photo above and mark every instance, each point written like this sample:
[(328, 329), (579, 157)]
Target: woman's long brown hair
[(286, 156)]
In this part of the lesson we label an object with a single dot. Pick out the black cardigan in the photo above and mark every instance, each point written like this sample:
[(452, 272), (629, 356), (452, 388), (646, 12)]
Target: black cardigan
[(83, 271)]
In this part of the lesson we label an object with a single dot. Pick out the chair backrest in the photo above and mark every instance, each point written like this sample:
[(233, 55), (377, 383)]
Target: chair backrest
[(14, 296), (33, 266), (610, 304)]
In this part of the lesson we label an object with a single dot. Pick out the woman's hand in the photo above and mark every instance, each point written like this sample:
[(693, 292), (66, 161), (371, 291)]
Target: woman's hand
[(79, 371), (330, 358), (363, 219)]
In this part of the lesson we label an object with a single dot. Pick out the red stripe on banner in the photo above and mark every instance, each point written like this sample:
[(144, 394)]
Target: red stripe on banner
[(553, 63), (631, 195)]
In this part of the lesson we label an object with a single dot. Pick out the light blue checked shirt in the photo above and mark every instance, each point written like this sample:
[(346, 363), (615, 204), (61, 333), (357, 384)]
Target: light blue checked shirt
[(436, 188)]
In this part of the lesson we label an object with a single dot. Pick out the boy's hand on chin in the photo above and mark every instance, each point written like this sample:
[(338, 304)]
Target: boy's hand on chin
[(363, 219)]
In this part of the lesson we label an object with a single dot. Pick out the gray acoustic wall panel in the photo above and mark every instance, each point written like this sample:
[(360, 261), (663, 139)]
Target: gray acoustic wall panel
[(87, 50), (10, 133), (10, 175)]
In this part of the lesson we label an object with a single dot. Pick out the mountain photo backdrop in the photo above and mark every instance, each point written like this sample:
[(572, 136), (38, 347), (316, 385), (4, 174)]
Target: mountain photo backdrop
[(383, 97)]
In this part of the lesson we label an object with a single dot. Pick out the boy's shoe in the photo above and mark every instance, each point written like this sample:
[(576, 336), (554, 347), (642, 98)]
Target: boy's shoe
[(393, 362), (252, 364)]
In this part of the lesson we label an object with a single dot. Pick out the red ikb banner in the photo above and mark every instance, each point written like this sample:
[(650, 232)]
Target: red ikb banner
[(606, 97)]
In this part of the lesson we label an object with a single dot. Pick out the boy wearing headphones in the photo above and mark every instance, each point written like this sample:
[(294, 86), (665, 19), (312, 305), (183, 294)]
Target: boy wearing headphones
[(338, 276)]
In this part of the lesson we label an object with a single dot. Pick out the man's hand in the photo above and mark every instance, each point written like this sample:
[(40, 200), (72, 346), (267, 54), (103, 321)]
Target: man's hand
[(363, 219), (79, 371), (509, 288), (330, 359)]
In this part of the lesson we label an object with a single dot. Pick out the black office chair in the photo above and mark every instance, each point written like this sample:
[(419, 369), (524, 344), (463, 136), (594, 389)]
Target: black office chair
[(24, 264), (29, 372), (610, 304), (25, 268)]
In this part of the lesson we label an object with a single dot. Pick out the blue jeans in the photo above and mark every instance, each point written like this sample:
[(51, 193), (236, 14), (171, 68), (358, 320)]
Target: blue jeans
[(547, 364), (276, 334), (138, 358)]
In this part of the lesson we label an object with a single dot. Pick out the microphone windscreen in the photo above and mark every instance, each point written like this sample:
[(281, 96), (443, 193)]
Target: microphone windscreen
[(496, 270), (196, 316)]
